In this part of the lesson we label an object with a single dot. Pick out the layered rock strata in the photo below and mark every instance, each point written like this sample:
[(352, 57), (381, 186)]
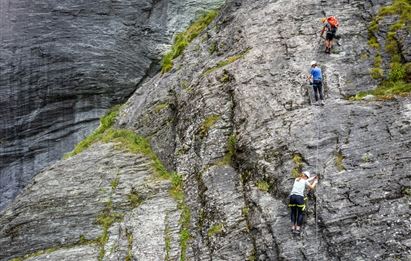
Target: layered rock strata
[(234, 118)]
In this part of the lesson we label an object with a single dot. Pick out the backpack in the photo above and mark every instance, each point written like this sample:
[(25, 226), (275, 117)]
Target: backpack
[(333, 21)]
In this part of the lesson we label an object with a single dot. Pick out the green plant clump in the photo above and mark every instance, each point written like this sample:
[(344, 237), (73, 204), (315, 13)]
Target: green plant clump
[(183, 39), (339, 158), (397, 80), (227, 61), (298, 165), (263, 185), (105, 220), (129, 256), (105, 123), (231, 149), (134, 198), (207, 124), (215, 229), (160, 107)]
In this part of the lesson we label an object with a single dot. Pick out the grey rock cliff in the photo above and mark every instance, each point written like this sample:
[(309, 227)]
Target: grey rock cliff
[(63, 64), (231, 118)]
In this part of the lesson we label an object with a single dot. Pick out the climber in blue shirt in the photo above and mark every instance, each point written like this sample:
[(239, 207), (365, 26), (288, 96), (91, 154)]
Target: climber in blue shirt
[(316, 79)]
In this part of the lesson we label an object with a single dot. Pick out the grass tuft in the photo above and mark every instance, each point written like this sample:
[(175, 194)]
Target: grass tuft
[(105, 123), (231, 149), (182, 40), (226, 62), (263, 185), (129, 256), (397, 81), (339, 158), (298, 165), (207, 124), (215, 229), (134, 198), (160, 107)]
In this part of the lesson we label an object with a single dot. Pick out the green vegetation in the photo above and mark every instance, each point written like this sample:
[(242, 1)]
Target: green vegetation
[(160, 107), (227, 61), (182, 40), (231, 148), (185, 85), (215, 229), (245, 176), (129, 256), (130, 141), (176, 190), (298, 165), (396, 81), (225, 77), (365, 157), (134, 198), (167, 240), (263, 185), (245, 211), (339, 158), (386, 91), (81, 242), (105, 220), (185, 229), (406, 191), (207, 124), (115, 182), (105, 123), (213, 47)]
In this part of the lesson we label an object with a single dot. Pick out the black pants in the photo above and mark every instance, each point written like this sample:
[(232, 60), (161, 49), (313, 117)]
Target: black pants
[(297, 209), (318, 89)]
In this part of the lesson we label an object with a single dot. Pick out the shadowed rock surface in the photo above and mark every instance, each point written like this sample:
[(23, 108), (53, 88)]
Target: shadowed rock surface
[(63, 64), (231, 117)]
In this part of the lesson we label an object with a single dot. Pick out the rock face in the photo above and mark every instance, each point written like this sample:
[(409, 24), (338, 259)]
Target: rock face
[(63, 64), (234, 119)]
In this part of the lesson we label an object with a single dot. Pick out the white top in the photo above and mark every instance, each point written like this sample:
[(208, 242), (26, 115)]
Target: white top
[(299, 187)]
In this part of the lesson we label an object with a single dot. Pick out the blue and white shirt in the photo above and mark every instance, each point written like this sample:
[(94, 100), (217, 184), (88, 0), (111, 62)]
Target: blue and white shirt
[(316, 73)]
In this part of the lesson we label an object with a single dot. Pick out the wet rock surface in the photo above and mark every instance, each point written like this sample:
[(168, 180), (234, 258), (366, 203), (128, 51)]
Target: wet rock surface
[(230, 118)]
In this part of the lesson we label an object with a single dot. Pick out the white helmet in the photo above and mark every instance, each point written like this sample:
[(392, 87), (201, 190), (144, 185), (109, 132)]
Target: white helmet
[(306, 173), (313, 63)]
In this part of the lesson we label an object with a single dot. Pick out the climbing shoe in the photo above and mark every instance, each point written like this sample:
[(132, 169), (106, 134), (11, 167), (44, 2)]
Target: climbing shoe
[(322, 103)]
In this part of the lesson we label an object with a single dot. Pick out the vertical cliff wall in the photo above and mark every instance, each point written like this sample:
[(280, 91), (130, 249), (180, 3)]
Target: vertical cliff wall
[(235, 121), (63, 64)]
